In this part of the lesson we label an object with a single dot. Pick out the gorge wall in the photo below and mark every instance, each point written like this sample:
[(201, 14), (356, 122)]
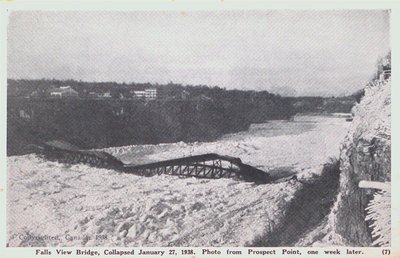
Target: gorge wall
[(91, 123), (365, 155)]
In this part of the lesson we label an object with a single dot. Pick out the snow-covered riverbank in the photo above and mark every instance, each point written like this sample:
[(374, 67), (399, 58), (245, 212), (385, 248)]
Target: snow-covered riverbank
[(48, 199)]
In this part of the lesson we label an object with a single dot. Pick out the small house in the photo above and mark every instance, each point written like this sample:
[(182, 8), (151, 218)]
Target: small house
[(64, 91), (105, 95)]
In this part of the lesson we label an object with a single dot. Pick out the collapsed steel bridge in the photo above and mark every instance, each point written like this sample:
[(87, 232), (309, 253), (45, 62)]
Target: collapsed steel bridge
[(210, 165)]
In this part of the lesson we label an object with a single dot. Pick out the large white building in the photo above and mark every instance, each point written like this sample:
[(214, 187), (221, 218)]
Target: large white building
[(149, 94)]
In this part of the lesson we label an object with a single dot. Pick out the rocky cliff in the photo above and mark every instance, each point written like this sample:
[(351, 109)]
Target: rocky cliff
[(365, 155), (361, 216)]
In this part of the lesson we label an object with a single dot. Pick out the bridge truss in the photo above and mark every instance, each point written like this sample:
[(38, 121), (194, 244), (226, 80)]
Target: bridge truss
[(210, 165)]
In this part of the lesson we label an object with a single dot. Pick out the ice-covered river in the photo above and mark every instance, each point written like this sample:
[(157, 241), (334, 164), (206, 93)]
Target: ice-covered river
[(280, 143), (77, 203)]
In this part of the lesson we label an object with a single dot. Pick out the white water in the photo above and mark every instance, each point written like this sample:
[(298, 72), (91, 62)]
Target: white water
[(48, 198)]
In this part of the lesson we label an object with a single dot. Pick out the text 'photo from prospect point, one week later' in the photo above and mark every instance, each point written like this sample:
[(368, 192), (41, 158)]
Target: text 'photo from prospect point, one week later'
[(199, 128)]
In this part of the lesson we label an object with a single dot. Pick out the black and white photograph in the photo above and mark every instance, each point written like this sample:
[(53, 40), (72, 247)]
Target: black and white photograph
[(198, 128)]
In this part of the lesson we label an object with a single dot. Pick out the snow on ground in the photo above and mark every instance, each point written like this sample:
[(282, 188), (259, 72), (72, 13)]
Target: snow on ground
[(79, 202)]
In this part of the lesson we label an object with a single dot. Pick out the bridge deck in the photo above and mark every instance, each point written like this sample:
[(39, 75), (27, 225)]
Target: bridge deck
[(188, 160), (210, 165)]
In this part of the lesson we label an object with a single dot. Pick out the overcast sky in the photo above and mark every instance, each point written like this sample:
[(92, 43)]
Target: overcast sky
[(286, 52)]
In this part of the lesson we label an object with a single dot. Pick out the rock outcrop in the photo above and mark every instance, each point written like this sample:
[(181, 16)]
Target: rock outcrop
[(365, 155)]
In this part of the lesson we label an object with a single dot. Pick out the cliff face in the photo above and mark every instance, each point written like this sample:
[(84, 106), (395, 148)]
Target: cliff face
[(91, 123), (365, 155)]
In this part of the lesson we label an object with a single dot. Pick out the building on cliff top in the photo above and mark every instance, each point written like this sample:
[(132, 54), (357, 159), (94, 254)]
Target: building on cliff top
[(64, 91)]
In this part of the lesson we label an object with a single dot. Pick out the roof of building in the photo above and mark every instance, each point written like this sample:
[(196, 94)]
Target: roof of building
[(63, 90)]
